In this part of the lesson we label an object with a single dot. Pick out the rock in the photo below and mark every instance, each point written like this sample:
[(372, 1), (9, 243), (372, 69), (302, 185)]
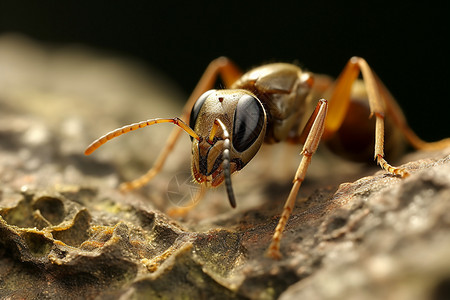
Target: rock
[(66, 232)]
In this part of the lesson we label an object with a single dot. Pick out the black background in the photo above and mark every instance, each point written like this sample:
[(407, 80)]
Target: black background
[(405, 43)]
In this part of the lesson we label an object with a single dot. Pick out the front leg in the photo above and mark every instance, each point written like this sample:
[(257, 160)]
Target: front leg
[(312, 142)]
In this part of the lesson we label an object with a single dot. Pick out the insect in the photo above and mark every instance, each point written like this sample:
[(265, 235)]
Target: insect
[(267, 105)]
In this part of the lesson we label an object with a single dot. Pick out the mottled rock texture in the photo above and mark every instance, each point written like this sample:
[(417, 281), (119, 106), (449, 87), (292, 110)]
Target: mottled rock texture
[(67, 233)]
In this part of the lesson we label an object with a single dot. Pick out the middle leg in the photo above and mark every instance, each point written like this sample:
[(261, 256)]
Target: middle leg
[(340, 101)]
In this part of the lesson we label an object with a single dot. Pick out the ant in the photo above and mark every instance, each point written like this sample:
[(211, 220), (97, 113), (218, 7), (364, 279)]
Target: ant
[(267, 105)]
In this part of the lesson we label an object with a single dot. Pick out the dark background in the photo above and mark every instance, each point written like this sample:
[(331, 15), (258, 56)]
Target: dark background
[(405, 43)]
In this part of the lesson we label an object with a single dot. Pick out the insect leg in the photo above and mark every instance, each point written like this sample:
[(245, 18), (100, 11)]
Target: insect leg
[(399, 120), (309, 148), (229, 73), (340, 100)]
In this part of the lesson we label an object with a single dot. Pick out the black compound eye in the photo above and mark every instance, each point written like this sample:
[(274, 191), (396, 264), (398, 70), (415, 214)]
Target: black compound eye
[(196, 109), (248, 122)]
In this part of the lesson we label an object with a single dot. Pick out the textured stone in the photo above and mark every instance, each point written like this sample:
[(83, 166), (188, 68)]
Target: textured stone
[(66, 232)]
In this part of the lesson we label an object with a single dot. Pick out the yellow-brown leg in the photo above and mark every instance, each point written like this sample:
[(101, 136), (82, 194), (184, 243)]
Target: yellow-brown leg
[(309, 148), (229, 73), (399, 120), (340, 99)]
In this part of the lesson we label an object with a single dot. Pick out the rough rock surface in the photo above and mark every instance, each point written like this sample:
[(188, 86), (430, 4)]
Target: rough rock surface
[(66, 232)]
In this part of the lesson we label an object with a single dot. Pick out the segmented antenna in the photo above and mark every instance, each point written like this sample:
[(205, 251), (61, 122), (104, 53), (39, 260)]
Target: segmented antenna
[(226, 163), (125, 129)]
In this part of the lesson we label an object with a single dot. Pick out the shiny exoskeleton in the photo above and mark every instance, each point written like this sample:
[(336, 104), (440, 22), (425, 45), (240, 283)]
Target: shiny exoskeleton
[(267, 105), (257, 108)]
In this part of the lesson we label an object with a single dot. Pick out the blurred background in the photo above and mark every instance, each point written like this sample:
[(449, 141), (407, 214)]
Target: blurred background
[(405, 43)]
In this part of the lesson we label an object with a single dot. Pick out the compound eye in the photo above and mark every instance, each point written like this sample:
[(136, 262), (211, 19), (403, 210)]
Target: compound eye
[(248, 122), (196, 109)]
